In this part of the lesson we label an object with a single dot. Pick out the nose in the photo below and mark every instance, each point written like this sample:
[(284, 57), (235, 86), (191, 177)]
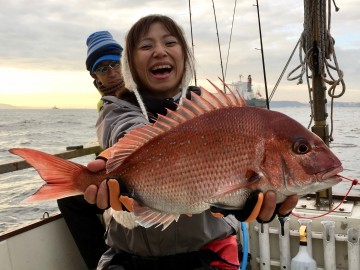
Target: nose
[(160, 50), (112, 72)]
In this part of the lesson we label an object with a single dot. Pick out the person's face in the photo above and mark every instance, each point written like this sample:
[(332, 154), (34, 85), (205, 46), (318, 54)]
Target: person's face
[(111, 77), (159, 62)]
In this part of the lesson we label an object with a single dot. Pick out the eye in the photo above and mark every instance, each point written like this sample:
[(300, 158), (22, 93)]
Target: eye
[(301, 146), (171, 43), (145, 46)]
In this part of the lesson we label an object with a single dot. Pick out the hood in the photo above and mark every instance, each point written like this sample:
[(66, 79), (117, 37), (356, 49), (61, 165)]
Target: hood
[(131, 85)]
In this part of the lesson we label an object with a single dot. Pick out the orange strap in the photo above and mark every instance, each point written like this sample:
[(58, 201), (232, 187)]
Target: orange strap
[(104, 154), (254, 214), (114, 194), (127, 202), (217, 215)]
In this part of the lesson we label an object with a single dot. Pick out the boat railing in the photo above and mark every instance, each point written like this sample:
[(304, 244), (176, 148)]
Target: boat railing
[(73, 152)]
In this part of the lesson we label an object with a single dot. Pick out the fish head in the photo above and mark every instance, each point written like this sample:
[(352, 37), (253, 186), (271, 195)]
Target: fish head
[(297, 161)]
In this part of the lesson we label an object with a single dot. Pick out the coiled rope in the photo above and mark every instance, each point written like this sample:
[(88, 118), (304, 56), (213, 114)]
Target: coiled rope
[(317, 29)]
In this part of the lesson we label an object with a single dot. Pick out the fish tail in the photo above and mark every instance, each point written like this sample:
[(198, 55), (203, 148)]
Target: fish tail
[(59, 174)]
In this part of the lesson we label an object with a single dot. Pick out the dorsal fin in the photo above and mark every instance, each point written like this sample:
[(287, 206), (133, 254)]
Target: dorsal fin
[(198, 105)]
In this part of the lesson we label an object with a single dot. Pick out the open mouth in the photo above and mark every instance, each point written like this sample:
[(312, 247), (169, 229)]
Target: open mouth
[(161, 70)]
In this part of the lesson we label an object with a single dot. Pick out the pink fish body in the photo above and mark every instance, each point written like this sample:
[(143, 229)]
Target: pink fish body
[(212, 151)]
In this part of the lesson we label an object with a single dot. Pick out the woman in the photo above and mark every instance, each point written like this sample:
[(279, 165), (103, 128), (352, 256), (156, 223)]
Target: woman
[(157, 67)]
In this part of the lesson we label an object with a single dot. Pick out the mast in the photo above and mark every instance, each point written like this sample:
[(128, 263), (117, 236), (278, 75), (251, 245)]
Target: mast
[(315, 17)]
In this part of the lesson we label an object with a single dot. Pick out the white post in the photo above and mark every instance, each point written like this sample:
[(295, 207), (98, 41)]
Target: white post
[(264, 245), (329, 245), (284, 243), (353, 249)]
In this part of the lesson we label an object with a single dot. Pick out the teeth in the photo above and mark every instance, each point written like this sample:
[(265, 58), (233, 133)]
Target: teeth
[(161, 67)]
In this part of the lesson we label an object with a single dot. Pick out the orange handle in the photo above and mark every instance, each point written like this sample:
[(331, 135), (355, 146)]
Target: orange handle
[(254, 214), (114, 194), (105, 154)]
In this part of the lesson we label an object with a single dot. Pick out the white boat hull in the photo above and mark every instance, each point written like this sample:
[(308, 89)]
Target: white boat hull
[(43, 245)]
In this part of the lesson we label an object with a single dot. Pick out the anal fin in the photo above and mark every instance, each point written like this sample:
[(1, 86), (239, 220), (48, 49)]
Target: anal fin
[(147, 217)]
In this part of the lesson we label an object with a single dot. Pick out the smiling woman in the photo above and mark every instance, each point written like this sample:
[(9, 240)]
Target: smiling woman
[(43, 88)]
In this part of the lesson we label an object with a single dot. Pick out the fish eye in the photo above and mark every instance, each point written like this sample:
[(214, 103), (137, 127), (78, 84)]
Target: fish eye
[(301, 146)]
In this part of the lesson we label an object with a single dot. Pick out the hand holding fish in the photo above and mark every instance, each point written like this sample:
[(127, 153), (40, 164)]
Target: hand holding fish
[(113, 187)]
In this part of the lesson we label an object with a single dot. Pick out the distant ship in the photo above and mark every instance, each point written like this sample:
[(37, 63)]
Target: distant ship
[(54, 108), (246, 91)]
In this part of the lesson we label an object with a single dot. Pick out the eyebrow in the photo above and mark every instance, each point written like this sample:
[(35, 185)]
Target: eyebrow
[(150, 39)]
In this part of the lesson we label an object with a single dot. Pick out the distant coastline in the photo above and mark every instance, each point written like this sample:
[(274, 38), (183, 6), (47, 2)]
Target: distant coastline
[(12, 107), (275, 104)]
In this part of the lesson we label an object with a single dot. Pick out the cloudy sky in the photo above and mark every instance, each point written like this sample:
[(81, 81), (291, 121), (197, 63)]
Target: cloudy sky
[(43, 51)]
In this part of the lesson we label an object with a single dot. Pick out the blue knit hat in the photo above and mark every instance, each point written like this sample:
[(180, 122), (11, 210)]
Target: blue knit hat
[(101, 47)]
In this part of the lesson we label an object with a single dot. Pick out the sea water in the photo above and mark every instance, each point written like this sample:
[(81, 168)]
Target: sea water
[(53, 130), (50, 131)]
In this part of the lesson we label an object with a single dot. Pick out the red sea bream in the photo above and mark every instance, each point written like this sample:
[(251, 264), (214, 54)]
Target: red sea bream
[(212, 151)]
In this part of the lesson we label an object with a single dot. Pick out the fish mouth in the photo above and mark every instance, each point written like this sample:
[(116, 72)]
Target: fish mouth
[(331, 174)]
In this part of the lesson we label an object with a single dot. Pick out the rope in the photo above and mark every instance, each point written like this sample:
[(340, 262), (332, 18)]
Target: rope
[(353, 183), (283, 72), (317, 31)]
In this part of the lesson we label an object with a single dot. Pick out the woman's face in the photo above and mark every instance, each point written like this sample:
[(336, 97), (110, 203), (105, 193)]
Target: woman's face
[(159, 62)]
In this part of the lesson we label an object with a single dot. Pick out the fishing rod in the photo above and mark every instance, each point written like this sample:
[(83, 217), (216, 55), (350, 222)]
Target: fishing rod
[(262, 55), (192, 39), (217, 33)]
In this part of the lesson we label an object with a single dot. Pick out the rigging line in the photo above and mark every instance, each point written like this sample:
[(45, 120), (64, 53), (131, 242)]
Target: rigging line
[(192, 40), (310, 96), (228, 53), (217, 33), (283, 72), (262, 55)]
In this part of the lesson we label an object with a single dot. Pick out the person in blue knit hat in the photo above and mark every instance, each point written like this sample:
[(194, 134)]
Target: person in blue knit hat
[(101, 47), (85, 220), (103, 62)]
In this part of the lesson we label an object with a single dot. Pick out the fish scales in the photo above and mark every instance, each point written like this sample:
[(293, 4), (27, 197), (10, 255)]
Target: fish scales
[(197, 163)]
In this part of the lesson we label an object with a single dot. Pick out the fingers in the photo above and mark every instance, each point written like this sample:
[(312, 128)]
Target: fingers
[(270, 209), (93, 194), (96, 165), (102, 198), (90, 194), (288, 205), (268, 206)]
